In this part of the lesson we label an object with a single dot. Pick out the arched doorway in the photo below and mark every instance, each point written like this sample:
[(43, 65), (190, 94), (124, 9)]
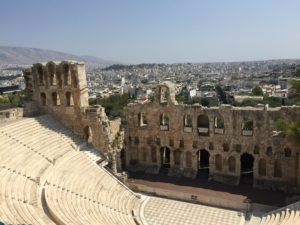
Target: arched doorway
[(203, 163), (165, 157), (247, 162)]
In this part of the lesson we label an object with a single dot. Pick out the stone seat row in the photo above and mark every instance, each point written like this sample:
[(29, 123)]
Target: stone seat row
[(73, 183), (289, 215), (41, 158), (19, 199)]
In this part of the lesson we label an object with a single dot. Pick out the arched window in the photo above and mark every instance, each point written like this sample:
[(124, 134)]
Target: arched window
[(40, 73), (256, 149), (164, 122), (218, 162), (58, 78), (187, 121), (262, 167), (277, 168), (51, 73), (177, 156), (74, 79), (188, 159), (142, 119), (247, 127), (55, 99), (43, 99), (287, 152), (66, 74), (203, 125), (69, 99), (164, 119), (269, 151), (226, 147), (153, 154), (231, 164), (219, 125), (163, 92)]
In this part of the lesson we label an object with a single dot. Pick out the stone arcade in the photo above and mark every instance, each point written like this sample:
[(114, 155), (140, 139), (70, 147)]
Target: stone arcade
[(227, 144)]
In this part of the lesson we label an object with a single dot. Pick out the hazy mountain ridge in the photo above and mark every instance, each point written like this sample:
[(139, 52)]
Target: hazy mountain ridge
[(25, 56)]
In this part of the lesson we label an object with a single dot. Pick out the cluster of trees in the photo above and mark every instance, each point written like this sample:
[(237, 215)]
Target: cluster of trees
[(292, 129), (113, 104), (11, 100)]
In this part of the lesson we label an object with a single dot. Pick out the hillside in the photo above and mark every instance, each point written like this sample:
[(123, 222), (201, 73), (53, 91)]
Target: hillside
[(25, 56)]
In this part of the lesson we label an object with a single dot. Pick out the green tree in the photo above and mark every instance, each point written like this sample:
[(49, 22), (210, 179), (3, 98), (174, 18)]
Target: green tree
[(292, 129), (257, 91)]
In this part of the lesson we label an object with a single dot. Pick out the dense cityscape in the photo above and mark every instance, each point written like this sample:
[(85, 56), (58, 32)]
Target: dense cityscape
[(209, 84)]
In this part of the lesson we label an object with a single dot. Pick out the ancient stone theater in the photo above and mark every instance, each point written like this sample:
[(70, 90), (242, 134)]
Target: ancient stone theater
[(63, 161), (228, 144)]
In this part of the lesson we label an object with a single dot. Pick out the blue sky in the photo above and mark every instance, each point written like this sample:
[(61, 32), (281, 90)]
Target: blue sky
[(136, 31)]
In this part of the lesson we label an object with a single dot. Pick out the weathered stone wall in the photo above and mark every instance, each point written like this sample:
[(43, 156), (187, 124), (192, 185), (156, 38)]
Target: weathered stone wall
[(189, 129), (60, 88)]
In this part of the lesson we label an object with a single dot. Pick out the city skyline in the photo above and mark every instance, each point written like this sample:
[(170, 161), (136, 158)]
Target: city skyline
[(156, 32)]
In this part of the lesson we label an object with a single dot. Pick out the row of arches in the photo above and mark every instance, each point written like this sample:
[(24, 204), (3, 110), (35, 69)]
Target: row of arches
[(56, 100), (202, 123), (57, 77), (203, 162)]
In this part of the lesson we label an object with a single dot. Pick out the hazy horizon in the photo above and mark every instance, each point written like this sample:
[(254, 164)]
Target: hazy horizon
[(134, 32)]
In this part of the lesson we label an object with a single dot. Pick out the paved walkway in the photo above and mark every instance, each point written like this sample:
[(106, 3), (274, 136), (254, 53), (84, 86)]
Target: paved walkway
[(160, 211)]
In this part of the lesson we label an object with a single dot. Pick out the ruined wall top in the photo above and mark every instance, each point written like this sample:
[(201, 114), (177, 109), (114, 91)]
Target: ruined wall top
[(166, 93)]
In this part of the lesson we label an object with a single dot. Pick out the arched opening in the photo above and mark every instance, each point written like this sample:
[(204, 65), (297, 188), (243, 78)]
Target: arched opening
[(88, 135), (164, 122), (58, 78), (231, 164), (203, 125), (256, 150), (163, 94), (226, 147), (187, 121), (74, 79), (287, 152), (262, 167), (51, 73), (43, 99), (40, 73), (247, 162), (269, 151), (203, 163), (55, 99), (66, 74), (219, 125), (218, 162), (69, 99), (277, 168), (142, 120), (177, 156), (247, 126), (165, 157)]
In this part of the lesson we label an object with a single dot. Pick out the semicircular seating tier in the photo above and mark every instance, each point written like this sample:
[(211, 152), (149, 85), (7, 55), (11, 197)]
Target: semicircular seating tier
[(45, 179), (288, 215)]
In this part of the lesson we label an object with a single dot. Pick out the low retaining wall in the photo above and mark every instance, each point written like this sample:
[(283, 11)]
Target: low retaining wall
[(198, 198)]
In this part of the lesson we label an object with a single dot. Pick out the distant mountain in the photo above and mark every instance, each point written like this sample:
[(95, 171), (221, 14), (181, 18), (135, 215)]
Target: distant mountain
[(26, 56)]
